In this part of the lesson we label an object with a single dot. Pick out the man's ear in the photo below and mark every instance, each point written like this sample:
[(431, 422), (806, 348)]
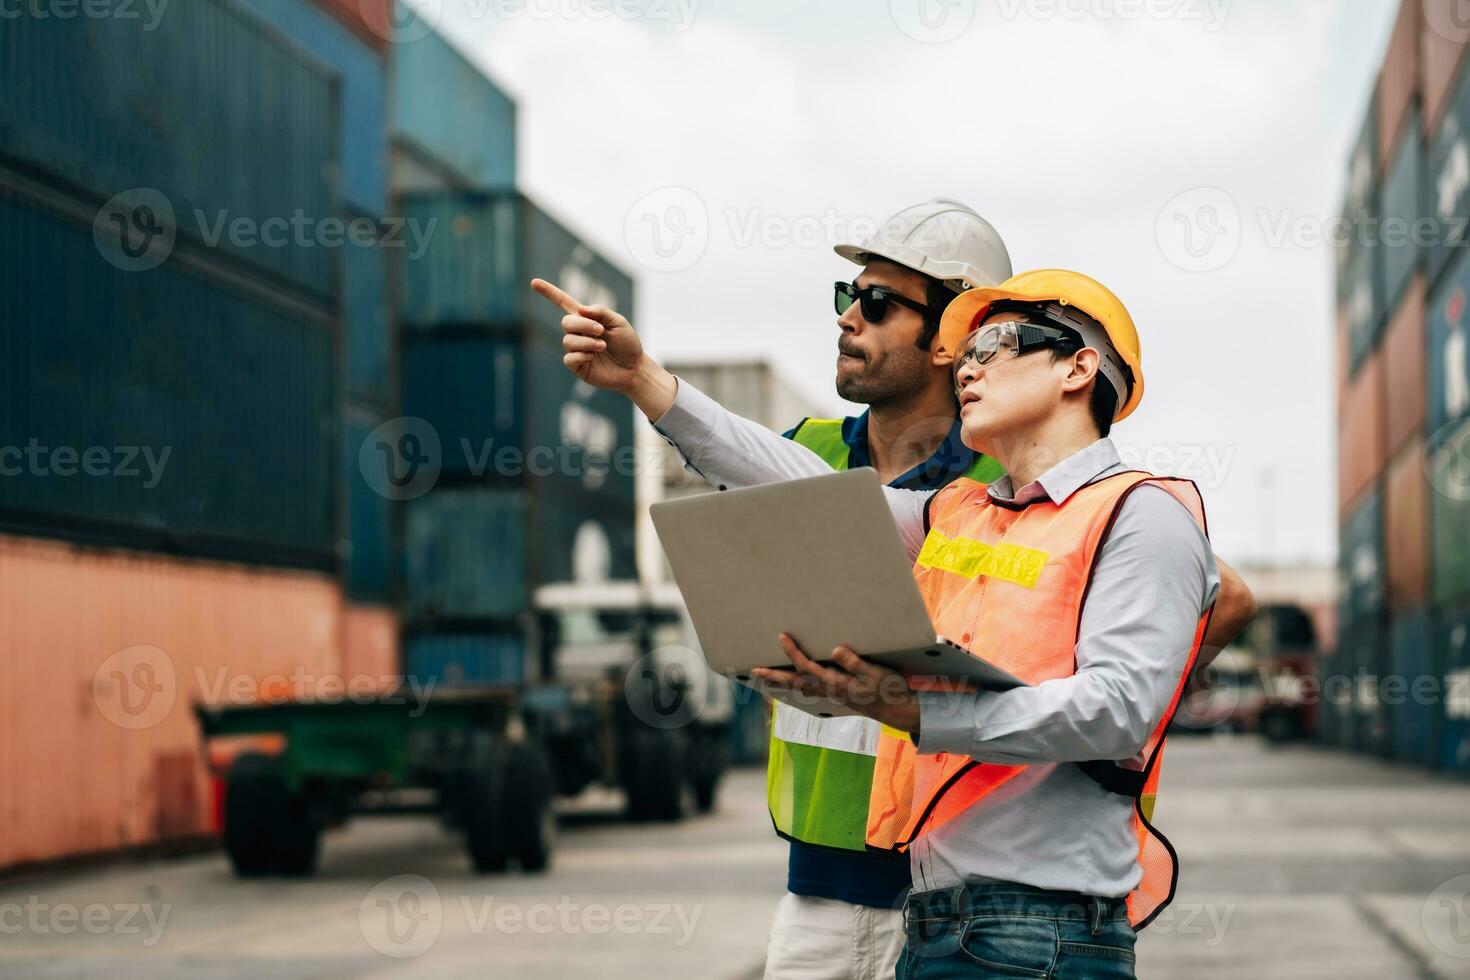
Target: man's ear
[(1083, 369), (939, 357)]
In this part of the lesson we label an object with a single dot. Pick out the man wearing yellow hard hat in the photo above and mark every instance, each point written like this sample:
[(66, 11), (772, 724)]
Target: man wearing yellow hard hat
[(1025, 813)]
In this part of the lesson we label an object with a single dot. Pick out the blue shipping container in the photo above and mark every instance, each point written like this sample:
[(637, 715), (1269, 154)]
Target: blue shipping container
[(1448, 364), (508, 411), (204, 419), (1453, 642), (1361, 568), (447, 112), (482, 251), (363, 139), (206, 106), (367, 551), (1448, 180), (1368, 653), (1410, 691), (1361, 201), (466, 554), (365, 321), (1403, 208), (466, 658), (1449, 516), (1364, 299)]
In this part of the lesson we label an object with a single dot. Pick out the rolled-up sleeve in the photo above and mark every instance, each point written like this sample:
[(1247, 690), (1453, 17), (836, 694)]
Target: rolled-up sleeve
[(1154, 578), (730, 452)]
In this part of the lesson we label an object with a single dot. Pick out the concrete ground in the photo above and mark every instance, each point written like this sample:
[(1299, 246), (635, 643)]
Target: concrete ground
[(1299, 863)]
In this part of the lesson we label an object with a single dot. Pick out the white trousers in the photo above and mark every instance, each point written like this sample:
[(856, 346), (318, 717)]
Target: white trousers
[(823, 939)]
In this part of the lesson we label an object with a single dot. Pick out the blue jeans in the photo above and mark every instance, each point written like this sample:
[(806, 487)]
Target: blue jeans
[(1004, 930)]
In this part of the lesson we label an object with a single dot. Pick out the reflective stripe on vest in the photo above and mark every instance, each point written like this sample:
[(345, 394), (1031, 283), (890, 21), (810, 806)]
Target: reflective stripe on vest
[(820, 772), (1010, 584)]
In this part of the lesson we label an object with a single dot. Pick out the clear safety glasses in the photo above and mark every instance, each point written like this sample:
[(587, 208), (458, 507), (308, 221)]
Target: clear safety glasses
[(1012, 338)]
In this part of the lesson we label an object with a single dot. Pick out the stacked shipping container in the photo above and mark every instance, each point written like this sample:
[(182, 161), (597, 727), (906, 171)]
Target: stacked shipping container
[(536, 481), (1404, 406)]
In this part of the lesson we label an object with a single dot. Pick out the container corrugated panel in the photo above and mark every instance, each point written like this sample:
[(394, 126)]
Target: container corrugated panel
[(1406, 528), (468, 273), (365, 321), (590, 431), (581, 538), (484, 248), (1448, 366), (470, 389), (1410, 690), (1361, 202), (101, 361), (104, 653), (453, 659), (446, 108), (185, 108), (1361, 558), (1447, 180), (1403, 362), (363, 140), (1449, 516), (1335, 713), (1442, 44), (1399, 81), (370, 646), (1362, 434), (1452, 643), (1369, 658), (1364, 299), (367, 551), (466, 551), (1403, 207)]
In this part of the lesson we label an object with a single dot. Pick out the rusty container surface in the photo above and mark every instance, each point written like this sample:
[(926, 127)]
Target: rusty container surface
[(1403, 363), (1406, 528), (102, 655), (1361, 437), (370, 647), (1399, 81)]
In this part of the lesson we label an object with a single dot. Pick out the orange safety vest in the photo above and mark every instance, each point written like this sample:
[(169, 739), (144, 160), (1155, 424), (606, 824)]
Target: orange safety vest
[(1009, 583)]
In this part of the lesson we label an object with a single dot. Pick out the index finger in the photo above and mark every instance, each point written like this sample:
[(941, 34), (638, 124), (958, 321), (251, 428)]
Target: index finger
[(556, 295)]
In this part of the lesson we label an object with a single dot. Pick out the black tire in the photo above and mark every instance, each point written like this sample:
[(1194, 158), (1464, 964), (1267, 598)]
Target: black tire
[(529, 819), (483, 796), (268, 829), (654, 774), (706, 789)]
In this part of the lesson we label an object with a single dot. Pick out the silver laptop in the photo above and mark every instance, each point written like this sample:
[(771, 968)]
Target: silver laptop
[(819, 559)]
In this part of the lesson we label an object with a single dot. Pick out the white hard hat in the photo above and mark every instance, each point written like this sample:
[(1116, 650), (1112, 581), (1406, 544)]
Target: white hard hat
[(942, 239)]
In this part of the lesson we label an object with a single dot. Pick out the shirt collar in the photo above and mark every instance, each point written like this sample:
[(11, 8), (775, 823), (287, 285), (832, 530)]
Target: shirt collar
[(1063, 479), (951, 459)]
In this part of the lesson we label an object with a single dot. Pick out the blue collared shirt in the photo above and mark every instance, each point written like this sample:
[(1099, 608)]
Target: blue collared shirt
[(950, 461)]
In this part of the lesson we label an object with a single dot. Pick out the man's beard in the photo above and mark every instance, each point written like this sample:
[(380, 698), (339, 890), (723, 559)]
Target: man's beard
[(896, 376)]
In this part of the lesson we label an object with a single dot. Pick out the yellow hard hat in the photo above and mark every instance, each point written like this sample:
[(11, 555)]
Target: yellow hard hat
[(968, 310)]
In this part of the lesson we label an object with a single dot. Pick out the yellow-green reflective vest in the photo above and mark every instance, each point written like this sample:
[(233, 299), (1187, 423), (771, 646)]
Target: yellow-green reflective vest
[(820, 771)]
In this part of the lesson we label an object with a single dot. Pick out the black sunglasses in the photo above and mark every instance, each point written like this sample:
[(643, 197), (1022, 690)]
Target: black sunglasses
[(873, 301)]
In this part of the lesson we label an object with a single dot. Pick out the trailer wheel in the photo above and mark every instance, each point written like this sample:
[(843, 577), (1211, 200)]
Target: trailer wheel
[(268, 829), (655, 776), (484, 793), (529, 819)]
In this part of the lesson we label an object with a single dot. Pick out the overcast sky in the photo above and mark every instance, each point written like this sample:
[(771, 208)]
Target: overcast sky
[(753, 135)]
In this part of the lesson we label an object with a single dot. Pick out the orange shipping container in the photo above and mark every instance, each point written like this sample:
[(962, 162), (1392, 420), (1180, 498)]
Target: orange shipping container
[(102, 655), (1403, 365), (1399, 80), (1406, 527), (1442, 41), (370, 647), (1361, 435)]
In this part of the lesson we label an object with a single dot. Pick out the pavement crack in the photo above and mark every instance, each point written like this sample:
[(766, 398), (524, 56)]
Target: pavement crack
[(1424, 969)]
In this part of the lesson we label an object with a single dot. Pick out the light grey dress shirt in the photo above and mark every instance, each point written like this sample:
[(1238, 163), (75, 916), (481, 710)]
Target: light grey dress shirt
[(1051, 826)]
